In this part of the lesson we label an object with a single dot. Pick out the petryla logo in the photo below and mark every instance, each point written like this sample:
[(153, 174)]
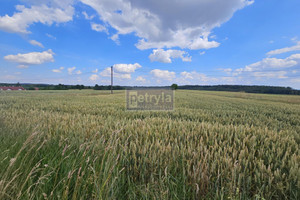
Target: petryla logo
[(150, 99)]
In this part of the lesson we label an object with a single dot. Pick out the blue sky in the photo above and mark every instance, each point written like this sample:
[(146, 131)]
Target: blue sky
[(150, 42)]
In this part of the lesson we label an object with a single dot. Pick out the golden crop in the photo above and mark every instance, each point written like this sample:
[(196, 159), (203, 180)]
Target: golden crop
[(85, 145)]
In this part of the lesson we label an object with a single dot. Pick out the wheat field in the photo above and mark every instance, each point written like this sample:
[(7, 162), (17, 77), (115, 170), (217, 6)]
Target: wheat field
[(85, 145)]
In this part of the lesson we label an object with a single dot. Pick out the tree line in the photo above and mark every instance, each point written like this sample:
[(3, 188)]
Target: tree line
[(230, 88), (243, 88)]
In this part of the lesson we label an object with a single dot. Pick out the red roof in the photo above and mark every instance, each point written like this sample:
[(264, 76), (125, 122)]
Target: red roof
[(12, 88)]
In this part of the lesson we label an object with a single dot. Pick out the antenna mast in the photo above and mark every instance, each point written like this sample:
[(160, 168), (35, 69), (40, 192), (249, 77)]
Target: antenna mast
[(112, 79)]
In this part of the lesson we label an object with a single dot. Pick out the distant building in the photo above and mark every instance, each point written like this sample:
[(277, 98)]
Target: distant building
[(36, 88), (11, 88)]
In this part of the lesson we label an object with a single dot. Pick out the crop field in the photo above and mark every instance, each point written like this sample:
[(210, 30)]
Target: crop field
[(85, 145)]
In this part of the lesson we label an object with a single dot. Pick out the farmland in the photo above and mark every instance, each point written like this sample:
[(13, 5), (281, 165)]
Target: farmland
[(85, 145)]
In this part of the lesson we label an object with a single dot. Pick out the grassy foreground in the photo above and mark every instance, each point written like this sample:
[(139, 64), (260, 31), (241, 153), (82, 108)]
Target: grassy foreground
[(84, 145)]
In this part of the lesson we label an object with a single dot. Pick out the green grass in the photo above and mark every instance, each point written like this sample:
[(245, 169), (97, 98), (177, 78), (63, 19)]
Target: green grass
[(85, 145)]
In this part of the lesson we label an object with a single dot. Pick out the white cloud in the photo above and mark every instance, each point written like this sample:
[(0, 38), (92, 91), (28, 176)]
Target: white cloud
[(123, 76), (70, 70), (36, 43), (203, 43), (166, 56), (95, 71), (22, 66), (168, 23), (115, 38), (187, 75), (99, 28), (163, 74), (285, 50), (269, 68), (107, 73), (197, 77), (270, 64), (294, 56), (140, 79), (122, 71), (94, 77), (226, 70), (50, 36), (78, 72), (276, 74), (46, 12), (87, 17), (33, 58), (126, 68), (202, 53), (58, 70)]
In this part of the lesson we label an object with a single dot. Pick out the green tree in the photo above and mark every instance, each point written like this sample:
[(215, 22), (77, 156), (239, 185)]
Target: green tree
[(174, 86)]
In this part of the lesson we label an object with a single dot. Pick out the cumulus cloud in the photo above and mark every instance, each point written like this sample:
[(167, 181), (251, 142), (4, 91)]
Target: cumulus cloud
[(285, 50), (275, 74), (294, 56), (126, 68), (197, 77), (168, 23), (99, 28), (94, 77), (87, 17), (141, 79), (50, 36), (95, 71), (22, 66), (36, 43), (271, 64), (123, 76), (58, 70), (226, 70), (70, 70), (122, 71), (270, 68), (107, 73), (45, 12), (33, 58), (115, 38), (163, 56), (187, 75), (163, 74)]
